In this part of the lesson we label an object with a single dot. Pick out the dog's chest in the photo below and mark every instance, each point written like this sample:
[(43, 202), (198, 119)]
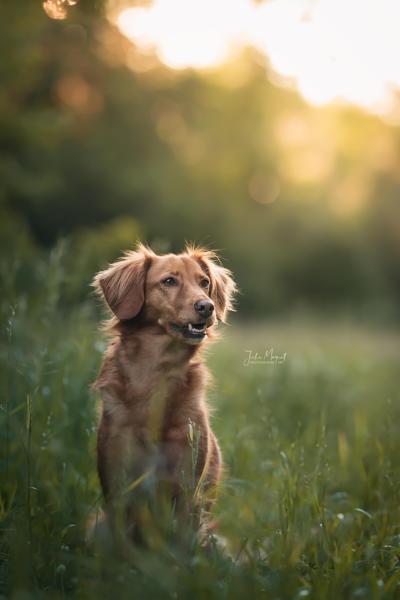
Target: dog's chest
[(148, 406), (151, 432)]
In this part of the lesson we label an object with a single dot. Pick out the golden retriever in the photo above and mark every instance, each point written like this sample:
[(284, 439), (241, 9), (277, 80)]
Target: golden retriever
[(154, 430)]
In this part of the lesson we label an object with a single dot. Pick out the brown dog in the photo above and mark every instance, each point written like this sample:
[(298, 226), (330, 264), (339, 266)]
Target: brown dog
[(154, 430)]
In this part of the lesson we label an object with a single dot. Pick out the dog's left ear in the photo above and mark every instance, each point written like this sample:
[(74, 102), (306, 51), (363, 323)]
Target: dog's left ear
[(122, 284), (222, 289)]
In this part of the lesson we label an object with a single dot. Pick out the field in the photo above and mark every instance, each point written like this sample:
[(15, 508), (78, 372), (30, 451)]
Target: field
[(310, 502)]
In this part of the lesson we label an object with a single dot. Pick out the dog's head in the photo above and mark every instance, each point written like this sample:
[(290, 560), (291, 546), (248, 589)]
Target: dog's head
[(185, 294)]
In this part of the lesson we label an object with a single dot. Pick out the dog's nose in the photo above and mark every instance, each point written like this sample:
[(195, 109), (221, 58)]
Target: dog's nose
[(204, 307)]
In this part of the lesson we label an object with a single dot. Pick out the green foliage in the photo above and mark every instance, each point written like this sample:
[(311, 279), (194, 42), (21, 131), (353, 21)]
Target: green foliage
[(91, 131), (309, 506)]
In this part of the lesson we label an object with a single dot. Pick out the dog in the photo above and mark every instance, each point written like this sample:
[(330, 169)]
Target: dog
[(154, 437)]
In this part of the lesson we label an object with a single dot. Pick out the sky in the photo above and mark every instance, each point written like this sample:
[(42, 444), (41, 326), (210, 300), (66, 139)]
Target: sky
[(332, 50)]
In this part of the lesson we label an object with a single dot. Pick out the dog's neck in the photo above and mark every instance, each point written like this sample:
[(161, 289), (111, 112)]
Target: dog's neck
[(148, 356), (153, 343)]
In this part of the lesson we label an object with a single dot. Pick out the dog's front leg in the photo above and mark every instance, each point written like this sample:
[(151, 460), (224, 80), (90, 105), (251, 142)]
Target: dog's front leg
[(122, 467), (185, 464)]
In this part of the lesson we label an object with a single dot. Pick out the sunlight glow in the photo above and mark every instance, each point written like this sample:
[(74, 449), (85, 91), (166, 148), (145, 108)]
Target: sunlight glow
[(186, 33), (332, 49)]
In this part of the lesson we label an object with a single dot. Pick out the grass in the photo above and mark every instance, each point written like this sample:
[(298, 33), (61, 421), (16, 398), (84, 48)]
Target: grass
[(310, 504)]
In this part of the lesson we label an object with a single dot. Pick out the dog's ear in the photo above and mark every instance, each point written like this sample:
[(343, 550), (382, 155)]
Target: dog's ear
[(222, 289), (122, 284)]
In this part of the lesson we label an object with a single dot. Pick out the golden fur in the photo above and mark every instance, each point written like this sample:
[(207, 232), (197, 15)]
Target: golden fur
[(153, 379)]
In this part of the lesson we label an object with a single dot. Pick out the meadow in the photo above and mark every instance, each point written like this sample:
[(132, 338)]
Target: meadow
[(103, 143), (309, 506)]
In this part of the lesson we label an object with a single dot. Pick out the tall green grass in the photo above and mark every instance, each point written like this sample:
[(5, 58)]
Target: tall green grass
[(309, 507)]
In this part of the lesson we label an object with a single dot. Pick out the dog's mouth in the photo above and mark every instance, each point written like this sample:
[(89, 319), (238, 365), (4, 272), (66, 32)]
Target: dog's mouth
[(191, 331)]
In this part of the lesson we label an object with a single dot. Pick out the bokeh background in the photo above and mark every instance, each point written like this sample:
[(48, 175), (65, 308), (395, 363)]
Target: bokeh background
[(266, 130), (103, 143)]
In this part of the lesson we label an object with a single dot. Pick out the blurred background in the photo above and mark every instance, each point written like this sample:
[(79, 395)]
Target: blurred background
[(268, 130)]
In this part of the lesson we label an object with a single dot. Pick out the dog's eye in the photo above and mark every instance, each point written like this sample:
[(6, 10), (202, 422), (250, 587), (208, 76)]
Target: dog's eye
[(170, 281), (204, 283)]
